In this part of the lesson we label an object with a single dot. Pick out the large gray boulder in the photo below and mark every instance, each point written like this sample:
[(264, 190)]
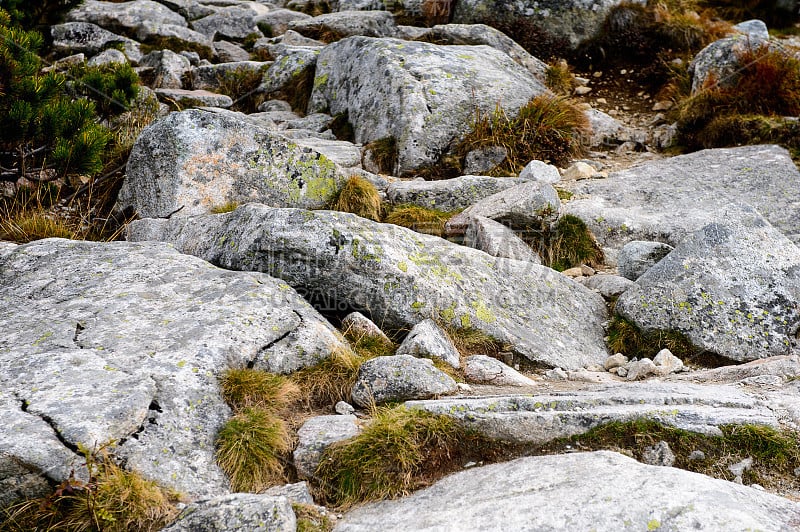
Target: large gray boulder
[(125, 17), (666, 200), (425, 96), (538, 419), (88, 38), (390, 379), (237, 512), (578, 491), (316, 435), (196, 160), (335, 26), (278, 19), (731, 288), (448, 194), (125, 342), (400, 276)]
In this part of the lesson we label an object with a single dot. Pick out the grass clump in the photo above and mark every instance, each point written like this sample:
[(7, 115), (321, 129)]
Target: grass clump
[(228, 206), (547, 128), (251, 449), (311, 519), (383, 153), (112, 500), (565, 244), (419, 219), (242, 85), (29, 225), (626, 338), (254, 444), (400, 450), (360, 197), (469, 341), (727, 113), (775, 453), (331, 380), (252, 388), (559, 79)]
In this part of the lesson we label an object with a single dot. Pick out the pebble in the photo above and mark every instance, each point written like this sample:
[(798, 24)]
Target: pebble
[(601, 101), (582, 91), (615, 361), (343, 408), (698, 456), (598, 74)]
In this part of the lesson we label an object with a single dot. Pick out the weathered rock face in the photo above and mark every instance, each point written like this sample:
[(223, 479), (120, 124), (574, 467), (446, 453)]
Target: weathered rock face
[(316, 435), (125, 17), (570, 22), (731, 288), (234, 22), (448, 194), (278, 19), (121, 341), (168, 69), (528, 204), (528, 494), (498, 240), (487, 370), (473, 34), (195, 160), (401, 276), (84, 37), (638, 256), (290, 64), (721, 60), (666, 200), (214, 77), (238, 511), (151, 32), (424, 96), (196, 98), (346, 24), (542, 418), (396, 378)]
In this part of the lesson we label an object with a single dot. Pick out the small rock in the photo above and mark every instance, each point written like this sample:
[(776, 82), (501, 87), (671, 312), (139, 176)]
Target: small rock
[(297, 492), (663, 105), (108, 57), (797, 472), (540, 171), (344, 408), (615, 361), (578, 171), (200, 98), (609, 286), (667, 363), (595, 368), (316, 435), (487, 370), (582, 91), (238, 511), (556, 374), (399, 378), (659, 455), (697, 456), (581, 81), (622, 371), (588, 271), (483, 160), (739, 468), (598, 74), (428, 340), (601, 101), (638, 256), (356, 324), (464, 387), (640, 369), (573, 272)]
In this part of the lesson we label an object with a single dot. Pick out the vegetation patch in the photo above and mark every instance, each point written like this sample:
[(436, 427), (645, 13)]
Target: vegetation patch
[(383, 153), (252, 388), (469, 341), (112, 500), (530, 34), (559, 78), (566, 244), (242, 85), (160, 42), (751, 110), (399, 451), (547, 128), (776, 454), (311, 519), (627, 338), (228, 206), (360, 197), (419, 219), (331, 380)]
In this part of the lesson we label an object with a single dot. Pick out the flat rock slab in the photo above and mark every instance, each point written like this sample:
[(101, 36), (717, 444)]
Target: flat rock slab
[(665, 200), (238, 511), (448, 194), (126, 342), (192, 161), (542, 418), (423, 95), (731, 288), (400, 276), (579, 491)]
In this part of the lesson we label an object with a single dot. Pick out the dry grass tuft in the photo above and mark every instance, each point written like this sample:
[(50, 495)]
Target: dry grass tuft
[(331, 380), (228, 206), (360, 197), (253, 388), (559, 78), (548, 128), (419, 219)]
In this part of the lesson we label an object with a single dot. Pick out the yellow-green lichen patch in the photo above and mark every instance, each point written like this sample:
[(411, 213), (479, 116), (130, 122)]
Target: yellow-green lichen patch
[(402, 266), (482, 312)]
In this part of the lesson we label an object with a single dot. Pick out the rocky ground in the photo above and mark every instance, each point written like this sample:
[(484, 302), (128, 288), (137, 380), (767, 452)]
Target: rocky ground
[(127, 341)]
